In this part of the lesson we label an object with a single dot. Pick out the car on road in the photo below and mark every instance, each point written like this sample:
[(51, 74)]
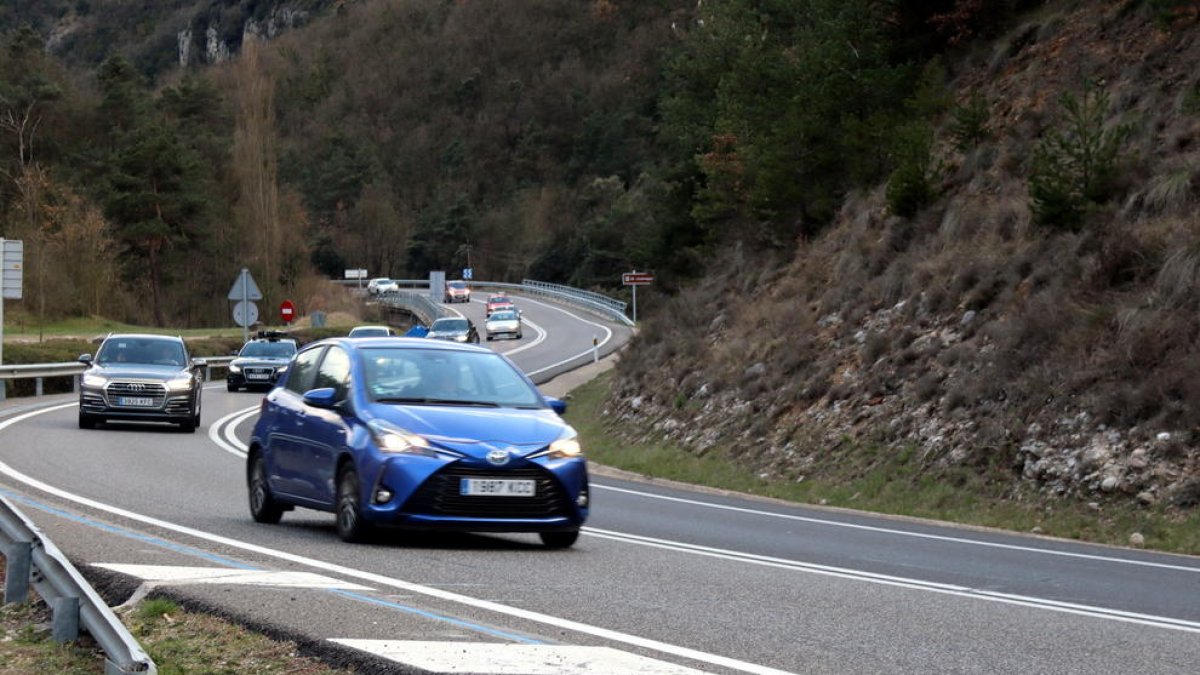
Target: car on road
[(415, 434), (371, 331), (141, 378), (261, 361), (498, 302), (503, 322), (457, 291), (455, 329), (382, 285)]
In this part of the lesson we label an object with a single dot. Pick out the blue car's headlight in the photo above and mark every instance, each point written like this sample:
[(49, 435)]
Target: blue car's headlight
[(563, 448), (392, 439)]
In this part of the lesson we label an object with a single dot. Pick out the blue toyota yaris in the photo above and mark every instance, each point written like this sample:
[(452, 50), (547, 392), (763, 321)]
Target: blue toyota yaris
[(417, 434)]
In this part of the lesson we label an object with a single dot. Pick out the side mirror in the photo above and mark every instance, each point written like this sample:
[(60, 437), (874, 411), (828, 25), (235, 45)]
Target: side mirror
[(199, 363), (556, 404), (233, 353), (325, 397), (85, 359)]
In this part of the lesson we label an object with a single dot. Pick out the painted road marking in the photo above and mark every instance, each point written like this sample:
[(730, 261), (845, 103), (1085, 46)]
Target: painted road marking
[(175, 575), (509, 659)]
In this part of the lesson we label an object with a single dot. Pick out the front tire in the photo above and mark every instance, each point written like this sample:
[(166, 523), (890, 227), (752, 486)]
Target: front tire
[(86, 421), (230, 387), (350, 525), (263, 507), (559, 539)]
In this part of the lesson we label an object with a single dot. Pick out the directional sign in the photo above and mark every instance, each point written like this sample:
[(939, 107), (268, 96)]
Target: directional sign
[(467, 273), (356, 274), (12, 261), (637, 278), (245, 314), (287, 311), (244, 287)]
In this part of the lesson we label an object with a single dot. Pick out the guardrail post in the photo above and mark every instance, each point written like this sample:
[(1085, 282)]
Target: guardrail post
[(75, 383), (37, 386), (207, 373), (17, 559), (65, 626)]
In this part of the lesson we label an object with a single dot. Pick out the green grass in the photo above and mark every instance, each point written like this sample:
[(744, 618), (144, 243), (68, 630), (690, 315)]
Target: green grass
[(873, 478)]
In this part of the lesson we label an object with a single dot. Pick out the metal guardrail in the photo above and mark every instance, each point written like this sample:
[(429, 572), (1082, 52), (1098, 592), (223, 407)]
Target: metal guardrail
[(74, 369), (607, 307), (30, 557)]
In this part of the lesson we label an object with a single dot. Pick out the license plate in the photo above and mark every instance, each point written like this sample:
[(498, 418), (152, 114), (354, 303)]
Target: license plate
[(496, 487), (257, 376), (135, 401)]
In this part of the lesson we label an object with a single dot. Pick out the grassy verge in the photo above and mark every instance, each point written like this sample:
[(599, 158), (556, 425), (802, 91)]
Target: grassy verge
[(870, 479), (179, 641)]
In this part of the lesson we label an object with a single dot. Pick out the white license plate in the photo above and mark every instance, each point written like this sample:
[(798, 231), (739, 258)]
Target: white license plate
[(496, 487), (135, 401), (257, 376)]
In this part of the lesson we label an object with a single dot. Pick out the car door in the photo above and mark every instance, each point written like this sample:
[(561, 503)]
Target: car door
[(289, 423), (326, 428)]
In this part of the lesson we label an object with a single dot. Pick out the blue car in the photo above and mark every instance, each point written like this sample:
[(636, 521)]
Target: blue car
[(416, 434)]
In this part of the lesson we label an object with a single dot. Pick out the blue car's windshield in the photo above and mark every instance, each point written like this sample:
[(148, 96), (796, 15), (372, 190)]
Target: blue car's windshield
[(269, 349), (439, 376)]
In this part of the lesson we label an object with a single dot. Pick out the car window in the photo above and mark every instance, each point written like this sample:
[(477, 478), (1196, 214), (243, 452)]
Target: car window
[(270, 349), (450, 324), (334, 372), (303, 370), (143, 351), (504, 316)]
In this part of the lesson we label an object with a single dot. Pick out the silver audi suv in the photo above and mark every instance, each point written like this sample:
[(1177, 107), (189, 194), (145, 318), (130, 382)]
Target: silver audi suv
[(145, 378)]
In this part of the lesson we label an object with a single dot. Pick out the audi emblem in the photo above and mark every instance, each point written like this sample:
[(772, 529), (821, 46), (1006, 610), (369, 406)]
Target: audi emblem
[(137, 387)]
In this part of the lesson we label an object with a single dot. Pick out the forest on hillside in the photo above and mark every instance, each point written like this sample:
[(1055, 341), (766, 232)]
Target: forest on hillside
[(564, 141)]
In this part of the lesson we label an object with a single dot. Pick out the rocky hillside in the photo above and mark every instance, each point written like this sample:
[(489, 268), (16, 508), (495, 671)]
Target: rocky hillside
[(985, 331)]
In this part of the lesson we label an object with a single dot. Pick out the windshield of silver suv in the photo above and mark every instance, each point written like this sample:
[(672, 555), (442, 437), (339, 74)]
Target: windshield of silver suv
[(144, 351)]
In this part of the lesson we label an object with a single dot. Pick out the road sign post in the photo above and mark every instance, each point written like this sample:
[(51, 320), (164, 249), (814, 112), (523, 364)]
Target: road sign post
[(12, 259), (635, 279), (245, 312)]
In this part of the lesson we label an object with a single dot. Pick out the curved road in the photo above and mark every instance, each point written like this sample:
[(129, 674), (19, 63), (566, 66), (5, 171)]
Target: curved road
[(665, 579)]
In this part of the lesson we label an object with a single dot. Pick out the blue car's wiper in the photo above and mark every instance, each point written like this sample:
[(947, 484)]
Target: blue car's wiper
[(436, 401)]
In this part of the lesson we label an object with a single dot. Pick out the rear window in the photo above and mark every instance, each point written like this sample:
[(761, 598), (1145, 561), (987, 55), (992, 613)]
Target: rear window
[(449, 324)]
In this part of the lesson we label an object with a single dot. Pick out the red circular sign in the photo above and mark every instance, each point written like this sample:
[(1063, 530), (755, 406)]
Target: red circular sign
[(287, 311)]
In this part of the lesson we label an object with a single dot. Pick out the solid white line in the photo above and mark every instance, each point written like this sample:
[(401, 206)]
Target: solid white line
[(557, 623), (904, 533), (607, 335), (234, 446), (903, 582)]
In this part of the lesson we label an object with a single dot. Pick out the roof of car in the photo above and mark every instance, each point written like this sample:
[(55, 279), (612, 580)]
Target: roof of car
[(143, 336), (399, 342)]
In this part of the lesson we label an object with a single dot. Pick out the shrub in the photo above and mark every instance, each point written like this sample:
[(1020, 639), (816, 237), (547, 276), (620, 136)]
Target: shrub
[(969, 127), (1075, 169), (911, 185)]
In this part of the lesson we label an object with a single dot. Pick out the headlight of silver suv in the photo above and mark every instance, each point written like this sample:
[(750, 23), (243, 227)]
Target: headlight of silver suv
[(182, 383), (90, 380)]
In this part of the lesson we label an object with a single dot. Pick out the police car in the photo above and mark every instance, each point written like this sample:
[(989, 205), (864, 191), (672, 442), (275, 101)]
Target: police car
[(261, 361)]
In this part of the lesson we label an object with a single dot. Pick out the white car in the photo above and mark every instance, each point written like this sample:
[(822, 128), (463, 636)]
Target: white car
[(503, 322), (371, 331), (382, 285)]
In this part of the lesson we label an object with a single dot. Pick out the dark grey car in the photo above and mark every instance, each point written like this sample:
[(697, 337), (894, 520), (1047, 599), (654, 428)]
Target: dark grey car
[(141, 378)]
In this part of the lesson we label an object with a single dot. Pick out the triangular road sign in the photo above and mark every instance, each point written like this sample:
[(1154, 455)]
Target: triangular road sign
[(244, 287)]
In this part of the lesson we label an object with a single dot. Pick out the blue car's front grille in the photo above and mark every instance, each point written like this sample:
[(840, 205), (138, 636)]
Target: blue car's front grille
[(440, 495)]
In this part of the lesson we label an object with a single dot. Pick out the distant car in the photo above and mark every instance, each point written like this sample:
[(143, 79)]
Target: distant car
[(413, 434), (455, 329), (261, 361), (143, 378), (498, 302), (371, 331), (457, 291), (503, 322), (382, 285)]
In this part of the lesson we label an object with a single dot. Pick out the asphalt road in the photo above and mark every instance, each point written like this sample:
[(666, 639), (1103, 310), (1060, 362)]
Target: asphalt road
[(685, 579)]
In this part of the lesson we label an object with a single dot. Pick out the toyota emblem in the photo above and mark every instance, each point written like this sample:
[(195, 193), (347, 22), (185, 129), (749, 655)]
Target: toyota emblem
[(498, 457)]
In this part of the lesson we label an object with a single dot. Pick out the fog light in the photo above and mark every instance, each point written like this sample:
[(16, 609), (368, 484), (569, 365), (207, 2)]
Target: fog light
[(582, 499), (382, 495)]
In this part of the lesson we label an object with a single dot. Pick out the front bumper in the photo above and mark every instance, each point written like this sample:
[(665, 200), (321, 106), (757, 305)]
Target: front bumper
[(267, 376), (164, 405)]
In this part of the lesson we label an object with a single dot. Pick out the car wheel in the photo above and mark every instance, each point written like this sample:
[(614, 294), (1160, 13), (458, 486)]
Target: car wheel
[(263, 507), (489, 338), (188, 426), (350, 524), (559, 539), (229, 386), (86, 421), (196, 416), (518, 336)]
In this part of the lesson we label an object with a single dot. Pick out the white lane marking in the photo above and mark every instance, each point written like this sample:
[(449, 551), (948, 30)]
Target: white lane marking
[(903, 582), (174, 575), (234, 446), (510, 659), (903, 533), (537, 341), (554, 622), (607, 335)]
